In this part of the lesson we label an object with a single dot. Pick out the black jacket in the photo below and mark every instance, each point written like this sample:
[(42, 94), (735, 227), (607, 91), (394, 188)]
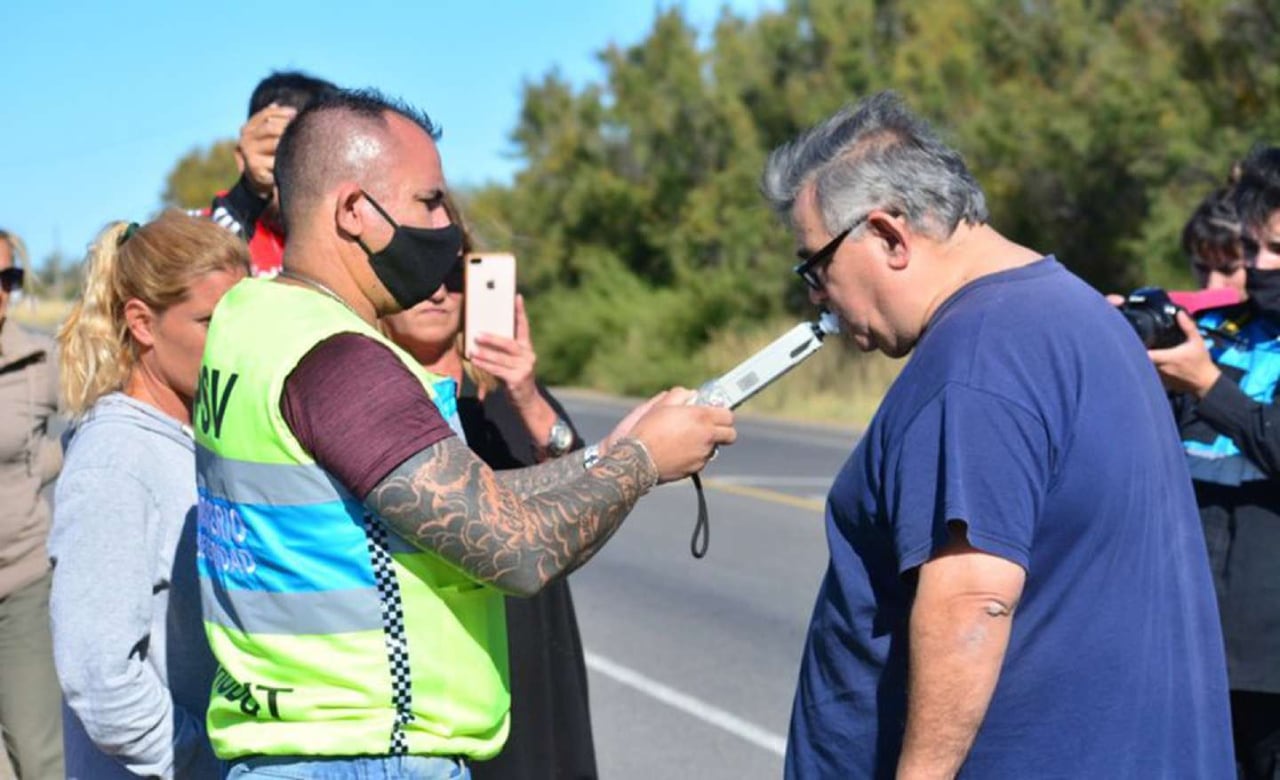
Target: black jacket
[(1241, 514), (550, 718)]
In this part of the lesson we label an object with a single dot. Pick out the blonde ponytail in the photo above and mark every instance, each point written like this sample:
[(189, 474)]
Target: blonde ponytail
[(93, 346), (155, 264)]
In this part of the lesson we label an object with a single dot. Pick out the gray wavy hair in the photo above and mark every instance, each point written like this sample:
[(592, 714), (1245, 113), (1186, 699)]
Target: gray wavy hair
[(876, 155)]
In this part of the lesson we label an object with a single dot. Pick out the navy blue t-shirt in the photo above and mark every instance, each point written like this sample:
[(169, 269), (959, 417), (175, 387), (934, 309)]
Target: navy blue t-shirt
[(1029, 412)]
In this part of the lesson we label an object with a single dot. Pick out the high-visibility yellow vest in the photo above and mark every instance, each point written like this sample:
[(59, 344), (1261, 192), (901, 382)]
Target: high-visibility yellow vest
[(333, 635)]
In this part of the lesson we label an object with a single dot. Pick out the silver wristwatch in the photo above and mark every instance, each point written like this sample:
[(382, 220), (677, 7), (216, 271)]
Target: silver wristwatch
[(560, 440)]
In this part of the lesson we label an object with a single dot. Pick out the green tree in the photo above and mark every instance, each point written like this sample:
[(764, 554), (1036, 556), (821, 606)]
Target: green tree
[(1094, 128), (200, 174)]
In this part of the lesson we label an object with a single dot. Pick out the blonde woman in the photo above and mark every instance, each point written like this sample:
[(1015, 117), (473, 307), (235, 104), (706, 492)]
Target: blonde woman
[(29, 460), (512, 421), (127, 633)]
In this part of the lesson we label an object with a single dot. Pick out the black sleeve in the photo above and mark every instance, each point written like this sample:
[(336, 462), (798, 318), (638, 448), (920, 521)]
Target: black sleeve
[(496, 432), (1253, 426), (238, 210)]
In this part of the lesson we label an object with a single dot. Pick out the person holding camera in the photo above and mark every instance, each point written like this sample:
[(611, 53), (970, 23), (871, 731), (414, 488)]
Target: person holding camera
[(1230, 424), (1017, 584), (1211, 241)]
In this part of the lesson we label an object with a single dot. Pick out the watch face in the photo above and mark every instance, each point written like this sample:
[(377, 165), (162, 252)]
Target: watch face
[(561, 438)]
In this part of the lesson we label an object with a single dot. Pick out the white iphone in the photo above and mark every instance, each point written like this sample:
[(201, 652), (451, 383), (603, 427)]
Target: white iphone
[(489, 299)]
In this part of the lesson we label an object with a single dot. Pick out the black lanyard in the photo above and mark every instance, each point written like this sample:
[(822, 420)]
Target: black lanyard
[(702, 526)]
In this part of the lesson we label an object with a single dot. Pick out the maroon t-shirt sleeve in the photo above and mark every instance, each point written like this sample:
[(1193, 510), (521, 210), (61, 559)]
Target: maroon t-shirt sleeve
[(359, 411)]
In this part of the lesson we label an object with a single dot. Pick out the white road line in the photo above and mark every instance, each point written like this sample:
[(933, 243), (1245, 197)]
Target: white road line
[(688, 704)]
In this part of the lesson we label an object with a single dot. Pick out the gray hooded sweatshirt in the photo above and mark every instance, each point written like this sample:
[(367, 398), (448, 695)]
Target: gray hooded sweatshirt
[(127, 634)]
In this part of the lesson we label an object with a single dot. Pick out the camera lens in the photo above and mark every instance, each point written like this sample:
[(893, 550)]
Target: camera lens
[(1144, 323), (1156, 323)]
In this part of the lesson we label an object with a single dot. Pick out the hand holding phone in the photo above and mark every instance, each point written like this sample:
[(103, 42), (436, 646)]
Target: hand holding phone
[(511, 361)]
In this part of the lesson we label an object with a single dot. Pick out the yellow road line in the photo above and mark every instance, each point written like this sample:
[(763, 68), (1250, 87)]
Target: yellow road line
[(764, 494)]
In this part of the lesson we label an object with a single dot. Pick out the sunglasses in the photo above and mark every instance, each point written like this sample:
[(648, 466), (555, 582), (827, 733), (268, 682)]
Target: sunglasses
[(808, 267), (11, 279), (455, 279)]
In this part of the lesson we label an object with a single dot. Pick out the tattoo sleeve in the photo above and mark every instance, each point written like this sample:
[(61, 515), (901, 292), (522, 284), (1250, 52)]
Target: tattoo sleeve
[(533, 480), (447, 501)]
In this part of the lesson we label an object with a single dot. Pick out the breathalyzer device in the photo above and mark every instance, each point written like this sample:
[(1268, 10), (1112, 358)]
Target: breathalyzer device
[(748, 378), (763, 368)]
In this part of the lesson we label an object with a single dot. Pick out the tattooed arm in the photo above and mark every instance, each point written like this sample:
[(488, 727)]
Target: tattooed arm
[(447, 501), (532, 480)]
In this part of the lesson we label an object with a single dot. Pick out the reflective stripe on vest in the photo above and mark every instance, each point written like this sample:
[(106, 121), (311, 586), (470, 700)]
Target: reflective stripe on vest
[(1257, 354), (334, 637)]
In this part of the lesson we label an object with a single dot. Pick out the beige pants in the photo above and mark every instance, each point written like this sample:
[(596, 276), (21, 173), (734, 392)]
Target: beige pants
[(30, 700)]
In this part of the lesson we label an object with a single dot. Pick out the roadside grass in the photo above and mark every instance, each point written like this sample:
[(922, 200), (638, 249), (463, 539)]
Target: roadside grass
[(42, 314), (837, 385)]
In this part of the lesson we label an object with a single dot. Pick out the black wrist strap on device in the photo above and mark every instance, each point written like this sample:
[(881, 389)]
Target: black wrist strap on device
[(701, 528)]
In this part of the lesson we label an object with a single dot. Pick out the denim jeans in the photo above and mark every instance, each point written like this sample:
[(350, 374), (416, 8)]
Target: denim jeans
[(349, 768)]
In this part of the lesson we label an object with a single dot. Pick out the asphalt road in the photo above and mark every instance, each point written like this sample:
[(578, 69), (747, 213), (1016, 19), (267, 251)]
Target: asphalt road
[(693, 662)]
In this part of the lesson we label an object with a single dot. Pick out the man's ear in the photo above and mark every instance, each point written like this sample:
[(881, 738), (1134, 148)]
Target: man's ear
[(140, 319), (894, 238), (347, 213)]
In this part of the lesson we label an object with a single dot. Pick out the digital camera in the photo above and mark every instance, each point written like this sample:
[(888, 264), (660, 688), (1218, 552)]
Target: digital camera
[(1154, 316)]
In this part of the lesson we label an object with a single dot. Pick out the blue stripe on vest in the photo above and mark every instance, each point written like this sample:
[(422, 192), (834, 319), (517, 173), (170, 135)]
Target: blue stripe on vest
[(1257, 354), (1222, 470), (283, 549)]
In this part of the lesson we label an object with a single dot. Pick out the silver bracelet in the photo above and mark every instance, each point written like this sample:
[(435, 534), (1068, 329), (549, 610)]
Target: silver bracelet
[(591, 456)]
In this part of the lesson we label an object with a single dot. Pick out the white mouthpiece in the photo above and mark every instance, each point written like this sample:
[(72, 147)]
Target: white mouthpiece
[(829, 323)]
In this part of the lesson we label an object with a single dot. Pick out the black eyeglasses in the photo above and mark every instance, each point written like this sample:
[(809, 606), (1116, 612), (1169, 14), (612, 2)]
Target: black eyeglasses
[(807, 268), (11, 279)]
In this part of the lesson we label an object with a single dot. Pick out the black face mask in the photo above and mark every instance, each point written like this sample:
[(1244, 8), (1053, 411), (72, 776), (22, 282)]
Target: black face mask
[(414, 264), (1263, 288)]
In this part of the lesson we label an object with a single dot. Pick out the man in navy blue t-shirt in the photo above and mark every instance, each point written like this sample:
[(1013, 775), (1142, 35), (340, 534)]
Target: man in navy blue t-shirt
[(1018, 584)]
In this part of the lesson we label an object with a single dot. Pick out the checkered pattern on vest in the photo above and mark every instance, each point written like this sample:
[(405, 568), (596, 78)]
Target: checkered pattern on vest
[(393, 626)]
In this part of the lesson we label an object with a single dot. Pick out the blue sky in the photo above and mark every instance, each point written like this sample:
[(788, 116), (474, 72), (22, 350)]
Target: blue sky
[(101, 99)]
